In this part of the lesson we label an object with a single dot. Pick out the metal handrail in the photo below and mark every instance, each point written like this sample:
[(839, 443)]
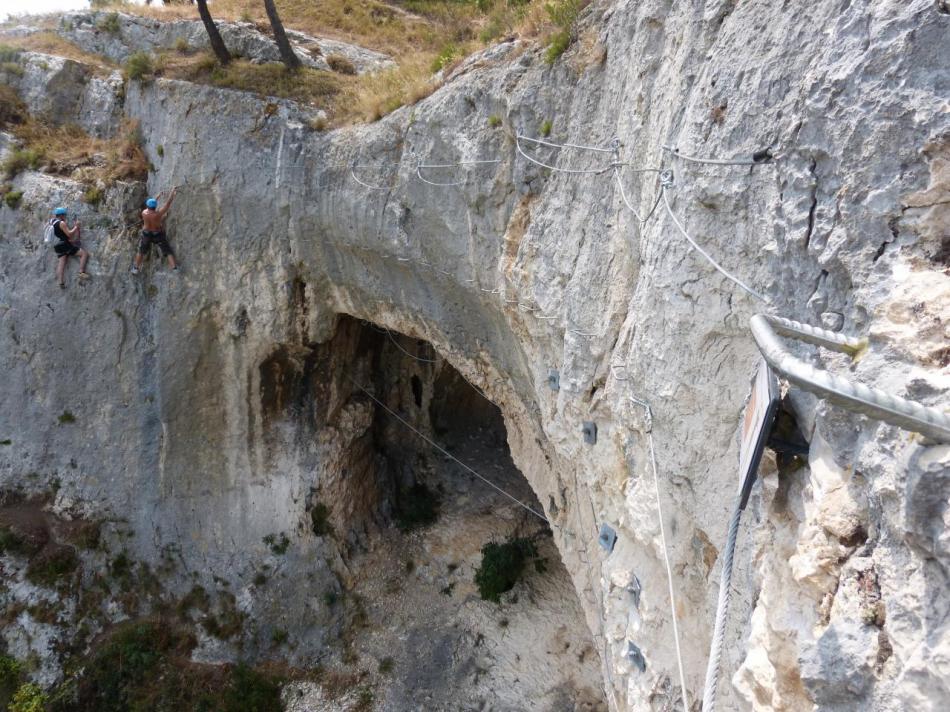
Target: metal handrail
[(871, 402)]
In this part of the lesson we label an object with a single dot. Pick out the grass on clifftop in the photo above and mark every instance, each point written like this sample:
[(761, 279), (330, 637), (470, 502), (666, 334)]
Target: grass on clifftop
[(422, 36)]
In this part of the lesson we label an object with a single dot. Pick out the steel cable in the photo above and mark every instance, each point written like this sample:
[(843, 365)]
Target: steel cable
[(666, 557), (871, 402), (705, 254), (766, 158), (573, 171), (450, 455), (714, 665)]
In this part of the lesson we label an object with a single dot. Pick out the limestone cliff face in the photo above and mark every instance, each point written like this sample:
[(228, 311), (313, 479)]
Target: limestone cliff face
[(841, 598)]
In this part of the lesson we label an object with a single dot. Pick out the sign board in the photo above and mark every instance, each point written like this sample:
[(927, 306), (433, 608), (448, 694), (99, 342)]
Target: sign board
[(756, 427)]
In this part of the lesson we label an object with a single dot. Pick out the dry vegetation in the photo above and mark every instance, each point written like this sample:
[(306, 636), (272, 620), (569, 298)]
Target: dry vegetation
[(50, 43), (68, 150), (423, 36)]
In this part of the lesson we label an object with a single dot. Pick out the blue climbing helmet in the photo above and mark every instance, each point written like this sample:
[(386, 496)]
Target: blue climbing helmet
[(59, 211), (151, 203)]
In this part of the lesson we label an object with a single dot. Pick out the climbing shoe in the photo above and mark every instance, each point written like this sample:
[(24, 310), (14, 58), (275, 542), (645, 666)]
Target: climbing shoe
[(134, 270)]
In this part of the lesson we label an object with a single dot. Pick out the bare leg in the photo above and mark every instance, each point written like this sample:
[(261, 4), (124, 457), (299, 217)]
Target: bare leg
[(83, 258), (171, 261), (138, 260), (61, 270)]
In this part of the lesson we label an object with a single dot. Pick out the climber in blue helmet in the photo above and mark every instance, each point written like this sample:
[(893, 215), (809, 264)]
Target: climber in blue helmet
[(153, 232), (67, 245)]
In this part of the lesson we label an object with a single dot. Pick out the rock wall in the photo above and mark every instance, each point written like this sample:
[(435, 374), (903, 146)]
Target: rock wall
[(840, 598)]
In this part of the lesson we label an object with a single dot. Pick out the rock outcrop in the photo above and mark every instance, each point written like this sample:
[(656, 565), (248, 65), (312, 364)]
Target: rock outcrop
[(117, 36), (840, 599)]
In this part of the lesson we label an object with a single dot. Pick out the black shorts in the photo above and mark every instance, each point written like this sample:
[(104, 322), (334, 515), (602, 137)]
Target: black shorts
[(149, 238), (65, 249)]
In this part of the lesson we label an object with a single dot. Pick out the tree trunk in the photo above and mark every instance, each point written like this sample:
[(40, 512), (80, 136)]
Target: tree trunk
[(217, 44), (287, 54)]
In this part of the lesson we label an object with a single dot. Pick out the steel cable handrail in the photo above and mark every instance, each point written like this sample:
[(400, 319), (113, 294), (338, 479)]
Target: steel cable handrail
[(573, 171), (648, 423), (623, 195), (705, 254), (767, 158), (871, 402), (450, 455)]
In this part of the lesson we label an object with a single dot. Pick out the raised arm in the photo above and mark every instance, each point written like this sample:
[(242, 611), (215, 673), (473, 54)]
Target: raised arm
[(70, 232), (166, 206)]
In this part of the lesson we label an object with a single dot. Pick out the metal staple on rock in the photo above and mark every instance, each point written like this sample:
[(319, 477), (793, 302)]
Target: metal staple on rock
[(871, 402)]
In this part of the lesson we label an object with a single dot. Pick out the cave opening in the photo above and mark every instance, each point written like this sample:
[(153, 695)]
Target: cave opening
[(396, 422)]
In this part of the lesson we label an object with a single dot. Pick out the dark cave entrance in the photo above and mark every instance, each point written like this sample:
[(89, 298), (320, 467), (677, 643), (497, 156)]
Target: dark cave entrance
[(410, 523)]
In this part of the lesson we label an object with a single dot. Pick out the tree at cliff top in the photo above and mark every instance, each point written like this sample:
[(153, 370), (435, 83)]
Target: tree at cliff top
[(287, 55), (217, 44)]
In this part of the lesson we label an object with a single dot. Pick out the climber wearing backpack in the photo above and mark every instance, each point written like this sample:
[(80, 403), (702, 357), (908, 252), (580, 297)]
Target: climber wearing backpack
[(153, 232), (66, 245)]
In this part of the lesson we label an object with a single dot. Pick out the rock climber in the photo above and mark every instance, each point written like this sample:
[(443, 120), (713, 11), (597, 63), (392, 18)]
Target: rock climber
[(67, 245), (153, 232)]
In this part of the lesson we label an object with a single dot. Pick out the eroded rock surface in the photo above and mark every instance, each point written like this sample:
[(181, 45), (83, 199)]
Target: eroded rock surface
[(840, 599)]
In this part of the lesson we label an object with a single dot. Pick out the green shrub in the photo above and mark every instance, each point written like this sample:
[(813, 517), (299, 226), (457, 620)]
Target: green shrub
[(364, 698), (502, 566), (8, 53), (110, 23), (29, 698), (416, 507), (160, 150), (494, 121), (386, 666), (93, 195), (251, 691), (492, 30), (279, 636), (196, 598), (444, 58), (10, 671), (182, 46), (121, 665), (66, 418), (11, 68), (320, 519), (559, 43), (21, 160), (139, 65), (278, 545), (563, 13), (13, 198), (12, 108), (13, 543), (330, 597), (546, 127), (228, 623), (52, 567)]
